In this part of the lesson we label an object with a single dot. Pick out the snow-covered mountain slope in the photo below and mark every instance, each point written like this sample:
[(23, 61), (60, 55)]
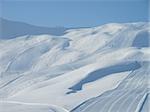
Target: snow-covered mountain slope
[(100, 69), (11, 29)]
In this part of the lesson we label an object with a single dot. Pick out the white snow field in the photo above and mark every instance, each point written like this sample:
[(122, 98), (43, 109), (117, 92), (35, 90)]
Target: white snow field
[(99, 69)]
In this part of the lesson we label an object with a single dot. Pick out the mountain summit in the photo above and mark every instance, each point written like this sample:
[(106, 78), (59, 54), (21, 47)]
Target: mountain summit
[(12, 29)]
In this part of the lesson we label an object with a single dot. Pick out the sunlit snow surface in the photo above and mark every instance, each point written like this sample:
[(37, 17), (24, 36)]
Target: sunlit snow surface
[(99, 69)]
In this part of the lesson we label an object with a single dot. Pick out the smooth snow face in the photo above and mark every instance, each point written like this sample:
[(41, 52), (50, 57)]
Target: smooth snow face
[(100, 69), (29, 107)]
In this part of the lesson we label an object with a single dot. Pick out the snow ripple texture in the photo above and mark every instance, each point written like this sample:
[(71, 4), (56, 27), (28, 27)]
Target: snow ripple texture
[(99, 69)]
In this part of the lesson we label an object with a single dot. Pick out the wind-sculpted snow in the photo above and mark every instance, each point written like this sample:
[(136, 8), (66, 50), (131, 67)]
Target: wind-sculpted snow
[(125, 98), (95, 75), (141, 40), (99, 69)]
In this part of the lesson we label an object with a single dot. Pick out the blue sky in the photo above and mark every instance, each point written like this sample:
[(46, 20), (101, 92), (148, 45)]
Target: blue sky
[(74, 13)]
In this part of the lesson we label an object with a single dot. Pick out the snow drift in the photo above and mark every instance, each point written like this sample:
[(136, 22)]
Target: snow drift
[(99, 69)]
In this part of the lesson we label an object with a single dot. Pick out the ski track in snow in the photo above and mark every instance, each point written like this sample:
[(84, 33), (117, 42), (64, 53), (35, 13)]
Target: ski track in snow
[(67, 73), (120, 99)]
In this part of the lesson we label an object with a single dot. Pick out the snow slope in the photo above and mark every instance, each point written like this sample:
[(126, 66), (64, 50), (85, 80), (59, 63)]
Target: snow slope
[(99, 69), (29, 107)]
